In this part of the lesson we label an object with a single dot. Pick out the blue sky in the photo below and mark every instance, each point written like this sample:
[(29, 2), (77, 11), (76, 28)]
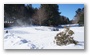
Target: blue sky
[(67, 10)]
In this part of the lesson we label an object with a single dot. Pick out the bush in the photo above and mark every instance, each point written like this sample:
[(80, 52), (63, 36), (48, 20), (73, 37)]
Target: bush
[(64, 38)]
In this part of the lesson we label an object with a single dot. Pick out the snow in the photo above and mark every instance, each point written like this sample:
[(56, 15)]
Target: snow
[(39, 37)]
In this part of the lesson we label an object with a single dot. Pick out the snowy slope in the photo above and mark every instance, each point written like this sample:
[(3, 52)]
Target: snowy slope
[(39, 37)]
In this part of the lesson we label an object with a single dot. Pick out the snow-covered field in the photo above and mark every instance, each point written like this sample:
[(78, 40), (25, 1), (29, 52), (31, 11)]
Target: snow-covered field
[(39, 37)]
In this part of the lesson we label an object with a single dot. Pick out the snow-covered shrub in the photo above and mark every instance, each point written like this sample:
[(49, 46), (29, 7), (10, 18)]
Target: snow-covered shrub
[(64, 38)]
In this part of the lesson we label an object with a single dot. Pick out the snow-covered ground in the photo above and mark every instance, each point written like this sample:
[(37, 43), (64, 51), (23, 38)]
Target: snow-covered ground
[(39, 37)]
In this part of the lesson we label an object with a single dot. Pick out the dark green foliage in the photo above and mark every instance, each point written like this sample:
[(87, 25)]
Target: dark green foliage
[(19, 13), (81, 21), (52, 14), (79, 17), (64, 20), (12, 9), (47, 15)]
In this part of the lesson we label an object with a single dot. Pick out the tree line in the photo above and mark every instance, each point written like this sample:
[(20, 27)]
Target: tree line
[(46, 15), (79, 17)]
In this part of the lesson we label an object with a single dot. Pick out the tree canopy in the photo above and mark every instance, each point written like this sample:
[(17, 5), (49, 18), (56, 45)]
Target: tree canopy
[(47, 14)]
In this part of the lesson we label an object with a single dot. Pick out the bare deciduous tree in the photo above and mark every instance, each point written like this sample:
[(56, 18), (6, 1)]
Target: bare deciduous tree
[(39, 16)]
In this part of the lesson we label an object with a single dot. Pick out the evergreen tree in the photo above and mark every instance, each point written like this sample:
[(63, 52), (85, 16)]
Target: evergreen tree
[(52, 14), (81, 20), (18, 13), (79, 17)]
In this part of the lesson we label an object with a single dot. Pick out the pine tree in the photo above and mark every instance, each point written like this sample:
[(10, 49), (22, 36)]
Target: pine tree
[(18, 13), (52, 14), (81, 21), (79, 17)]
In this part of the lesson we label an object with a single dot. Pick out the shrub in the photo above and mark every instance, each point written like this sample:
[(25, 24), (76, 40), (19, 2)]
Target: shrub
[(64, 38)]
